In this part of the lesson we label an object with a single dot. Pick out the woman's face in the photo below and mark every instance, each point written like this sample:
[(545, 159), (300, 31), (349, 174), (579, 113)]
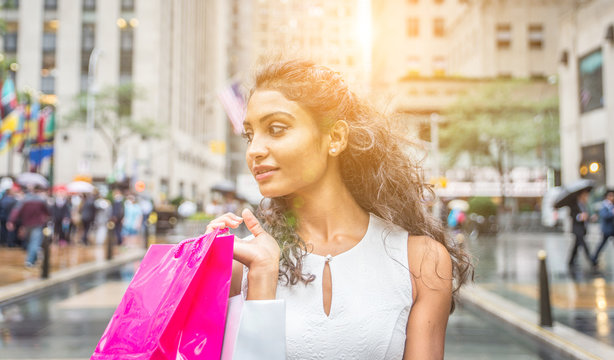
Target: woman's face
[(286, 150)]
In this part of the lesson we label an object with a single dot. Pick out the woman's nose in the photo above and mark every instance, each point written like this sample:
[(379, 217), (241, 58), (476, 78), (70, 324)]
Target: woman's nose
[(257, 148)]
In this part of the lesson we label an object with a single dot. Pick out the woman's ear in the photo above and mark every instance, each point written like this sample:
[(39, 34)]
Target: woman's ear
[(338, 137)]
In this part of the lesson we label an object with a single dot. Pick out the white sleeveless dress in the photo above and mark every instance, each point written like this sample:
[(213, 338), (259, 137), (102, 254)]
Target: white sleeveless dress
[(371, 300)]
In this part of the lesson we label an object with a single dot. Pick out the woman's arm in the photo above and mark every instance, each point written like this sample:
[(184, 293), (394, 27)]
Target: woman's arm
[(431, 272)]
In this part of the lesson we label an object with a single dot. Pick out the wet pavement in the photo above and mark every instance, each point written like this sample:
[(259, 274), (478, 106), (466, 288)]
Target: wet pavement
[(66, 322), (582, 299)]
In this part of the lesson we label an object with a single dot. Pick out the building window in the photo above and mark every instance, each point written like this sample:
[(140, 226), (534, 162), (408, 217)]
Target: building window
[(438, 27), (413, 27), (48, 61), (51, 4), (10, 42), (591, 81), (413, 66), (48, 84), (88, 36), (48, 42), (89, 5), (127, 5), (439, 66), (536, 36), (9, 4), (504, 36), (438, 2), (125, 53)]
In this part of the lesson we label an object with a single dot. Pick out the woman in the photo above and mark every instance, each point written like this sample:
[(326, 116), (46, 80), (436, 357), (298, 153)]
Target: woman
[(346, 240)]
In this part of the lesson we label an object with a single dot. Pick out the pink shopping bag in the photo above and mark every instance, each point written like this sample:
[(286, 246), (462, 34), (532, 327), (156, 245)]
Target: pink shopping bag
[(175, 306)]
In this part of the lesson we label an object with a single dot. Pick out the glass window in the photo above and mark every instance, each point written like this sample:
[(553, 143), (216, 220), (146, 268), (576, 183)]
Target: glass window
[(48, 42), (504, 36), (51, 4), (9, 4), (439, 66), (127, 5), (536, 36), (413, 66), (413, 27), (438, 27), (88, 36), (89, 5), (126, 39), (48, 84), (48, 61), (10, 42), (591, 81)]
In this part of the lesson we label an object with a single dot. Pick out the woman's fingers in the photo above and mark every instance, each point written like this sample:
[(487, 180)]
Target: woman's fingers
[(252, 223), (242, 252), (227, 220)]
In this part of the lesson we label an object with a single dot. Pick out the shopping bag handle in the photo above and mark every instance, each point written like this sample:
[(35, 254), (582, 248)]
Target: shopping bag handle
[(178, 251)]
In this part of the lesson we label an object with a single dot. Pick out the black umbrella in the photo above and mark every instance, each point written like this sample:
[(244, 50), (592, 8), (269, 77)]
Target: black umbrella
[(225, 186), (570, 192)]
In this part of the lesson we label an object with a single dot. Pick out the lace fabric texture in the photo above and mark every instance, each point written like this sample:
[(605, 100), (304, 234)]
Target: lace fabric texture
[(371, 300)]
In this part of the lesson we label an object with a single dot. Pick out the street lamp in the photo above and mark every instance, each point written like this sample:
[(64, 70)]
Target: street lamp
[(91, 106)]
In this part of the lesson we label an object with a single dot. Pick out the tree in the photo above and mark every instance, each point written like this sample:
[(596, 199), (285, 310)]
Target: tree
[(113, 118), (500, 120)]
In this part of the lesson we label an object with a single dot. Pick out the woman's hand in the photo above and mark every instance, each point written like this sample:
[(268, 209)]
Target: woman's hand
[(260, 255)]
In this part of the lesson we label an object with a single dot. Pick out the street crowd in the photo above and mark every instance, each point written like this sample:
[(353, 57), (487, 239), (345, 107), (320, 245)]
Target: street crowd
[(74, 219)]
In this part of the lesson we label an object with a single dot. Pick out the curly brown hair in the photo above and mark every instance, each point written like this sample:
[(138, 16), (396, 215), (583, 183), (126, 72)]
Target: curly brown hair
[(376, 167)]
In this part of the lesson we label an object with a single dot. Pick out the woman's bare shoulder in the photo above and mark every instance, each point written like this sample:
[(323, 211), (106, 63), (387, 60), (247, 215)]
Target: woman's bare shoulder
[(429, 262)]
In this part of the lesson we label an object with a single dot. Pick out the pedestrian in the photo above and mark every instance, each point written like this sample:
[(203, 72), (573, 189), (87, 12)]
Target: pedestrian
[(32, 212), (61, 215), (103, 215), (578, 211), (606, 220), (133, 216), (88, 214), (343, 240), (117, 214), (7, 202)]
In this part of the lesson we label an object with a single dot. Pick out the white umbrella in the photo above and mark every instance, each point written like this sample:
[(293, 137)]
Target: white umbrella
[(186, 209), (32, 179), (80, 187), (6, 183), (462, 205)]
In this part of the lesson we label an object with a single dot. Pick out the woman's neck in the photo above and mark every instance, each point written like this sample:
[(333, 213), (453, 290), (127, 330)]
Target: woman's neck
[(327, 212)]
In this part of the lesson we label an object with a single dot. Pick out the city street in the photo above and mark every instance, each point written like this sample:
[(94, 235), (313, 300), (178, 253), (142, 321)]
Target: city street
[(65, 321)]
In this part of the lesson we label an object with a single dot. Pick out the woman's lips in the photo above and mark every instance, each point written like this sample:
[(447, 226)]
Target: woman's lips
[(265, 175)]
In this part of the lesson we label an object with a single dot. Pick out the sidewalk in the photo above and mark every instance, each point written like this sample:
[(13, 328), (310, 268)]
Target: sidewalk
[(582, 300)]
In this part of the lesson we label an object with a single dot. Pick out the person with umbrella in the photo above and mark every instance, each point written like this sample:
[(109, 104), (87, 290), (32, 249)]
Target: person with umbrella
[(606, 219), (580, 217), (32, 212)]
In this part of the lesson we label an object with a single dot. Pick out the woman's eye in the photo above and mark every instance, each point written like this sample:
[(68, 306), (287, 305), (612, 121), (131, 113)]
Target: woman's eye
[(276, 129), (247, 136)]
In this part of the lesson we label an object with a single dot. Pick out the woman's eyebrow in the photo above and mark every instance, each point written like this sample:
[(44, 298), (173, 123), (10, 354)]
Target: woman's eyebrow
[(271, 115)]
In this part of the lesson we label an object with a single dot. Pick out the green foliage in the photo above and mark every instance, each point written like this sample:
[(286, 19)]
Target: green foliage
[(500, 118), (113, 115), (201, 216), (482, 206), (177, 201)]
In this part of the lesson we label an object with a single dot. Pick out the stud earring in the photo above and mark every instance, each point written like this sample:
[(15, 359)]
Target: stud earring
[(333, 150)]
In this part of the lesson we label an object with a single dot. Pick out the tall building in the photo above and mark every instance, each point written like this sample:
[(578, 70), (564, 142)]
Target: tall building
[(175, 52), (411, 38), (498, 38), (586, 91), (333, 33)]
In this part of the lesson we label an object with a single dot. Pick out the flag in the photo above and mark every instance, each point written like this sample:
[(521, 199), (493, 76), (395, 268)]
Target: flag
[(9, 97), (234, 105), (19, 134), (39, 152)]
